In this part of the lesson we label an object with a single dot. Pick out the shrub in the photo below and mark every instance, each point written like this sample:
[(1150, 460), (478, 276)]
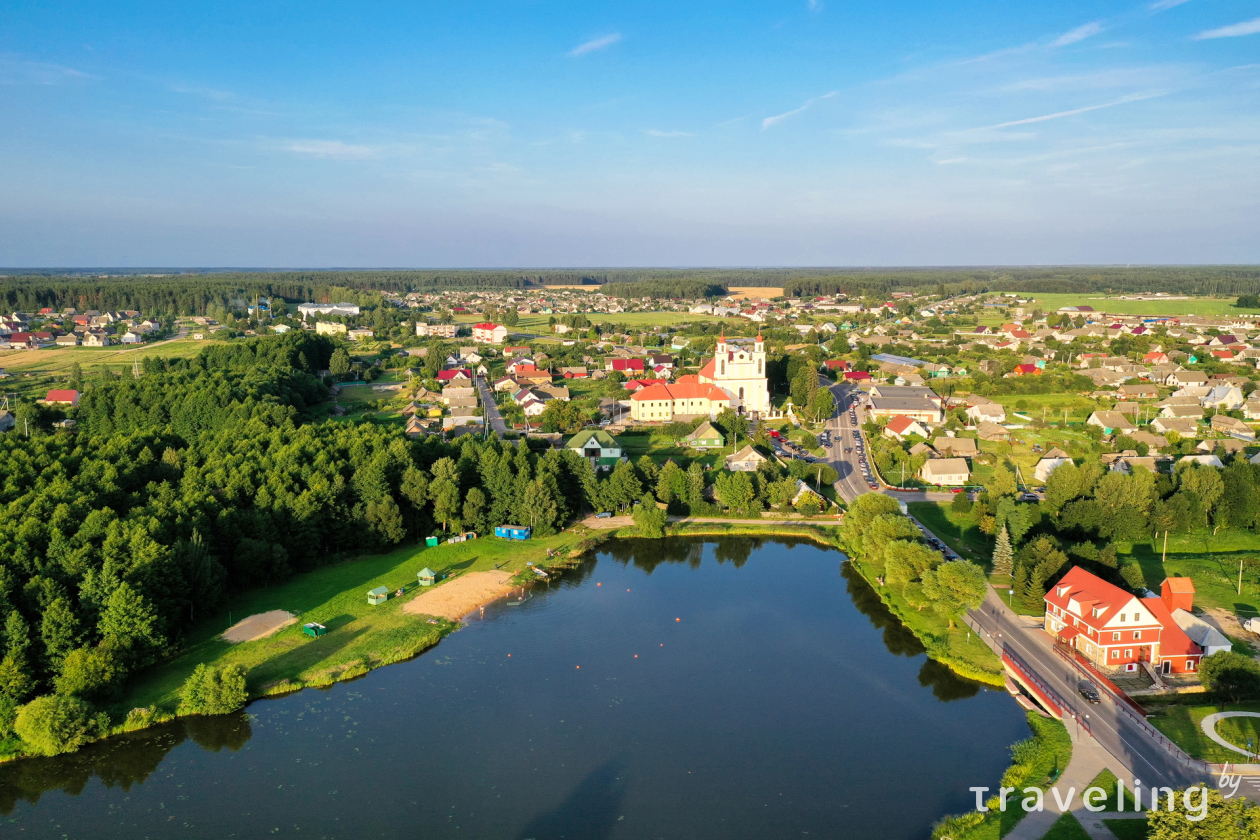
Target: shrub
[(88, 671), (1230, 675), (1132, 574), (961, 503), (649, 518), (55, 724), (214, 691)]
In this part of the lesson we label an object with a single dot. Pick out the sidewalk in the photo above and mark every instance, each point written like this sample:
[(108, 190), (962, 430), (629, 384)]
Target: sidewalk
[(1088, 760)]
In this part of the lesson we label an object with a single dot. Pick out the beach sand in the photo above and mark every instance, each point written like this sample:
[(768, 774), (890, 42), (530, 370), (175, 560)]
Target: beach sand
[(456, 598), (259, 625)]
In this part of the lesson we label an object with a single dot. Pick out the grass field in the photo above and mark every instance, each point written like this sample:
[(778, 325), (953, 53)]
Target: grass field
[(1182, 725), (58, 360), (1114, 306), (360, 636), (1212, 562), (539, 323)]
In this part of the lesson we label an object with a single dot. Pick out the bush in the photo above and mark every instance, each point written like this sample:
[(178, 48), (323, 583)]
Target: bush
[(961, 504), (88, 671), (55, 724), (809, 441), (649, 518), (1132, 574), (1230, 675), (214, 691)]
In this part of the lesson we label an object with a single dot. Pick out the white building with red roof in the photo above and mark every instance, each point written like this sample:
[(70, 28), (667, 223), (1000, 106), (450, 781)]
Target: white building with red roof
[(488, 333), (1117, 630), (683, 400), (741, 373), (901, 427)]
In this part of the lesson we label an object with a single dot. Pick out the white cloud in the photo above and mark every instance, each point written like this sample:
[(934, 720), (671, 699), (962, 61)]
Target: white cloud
[(1247, 27), (1080, 33), (778, 118), (1137, 97), (329, 149), (208, 93), (14, 71), (596, 44), (1160, 5), (656, 132)]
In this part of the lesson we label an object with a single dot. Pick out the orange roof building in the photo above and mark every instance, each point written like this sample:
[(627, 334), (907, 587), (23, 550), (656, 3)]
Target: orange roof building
[(680, 401)]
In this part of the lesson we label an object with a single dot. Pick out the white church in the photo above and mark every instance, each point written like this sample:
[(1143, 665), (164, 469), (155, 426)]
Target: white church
[(741, 374)]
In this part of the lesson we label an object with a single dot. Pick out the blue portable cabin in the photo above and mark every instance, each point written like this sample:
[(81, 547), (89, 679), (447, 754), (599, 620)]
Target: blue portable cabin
[(512, 532)]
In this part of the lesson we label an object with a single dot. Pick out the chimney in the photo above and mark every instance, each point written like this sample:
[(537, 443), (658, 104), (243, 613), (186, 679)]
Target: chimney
[(1177, 593)]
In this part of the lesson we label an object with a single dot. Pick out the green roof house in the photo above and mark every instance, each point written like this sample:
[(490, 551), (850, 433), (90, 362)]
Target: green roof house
[(427, 576), (705, 437), (379, 595), (598, 447)]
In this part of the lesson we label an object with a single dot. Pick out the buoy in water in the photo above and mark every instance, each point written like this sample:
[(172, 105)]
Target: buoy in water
[(677, 619)]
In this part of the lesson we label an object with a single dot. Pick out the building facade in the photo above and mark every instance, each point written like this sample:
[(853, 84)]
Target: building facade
[(741, 374)]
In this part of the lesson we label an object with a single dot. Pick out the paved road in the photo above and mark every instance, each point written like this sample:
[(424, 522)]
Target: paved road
[(491, 409)]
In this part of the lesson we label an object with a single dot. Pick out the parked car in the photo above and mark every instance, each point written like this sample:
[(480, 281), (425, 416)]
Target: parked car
[(1089, 691), (603, 515)]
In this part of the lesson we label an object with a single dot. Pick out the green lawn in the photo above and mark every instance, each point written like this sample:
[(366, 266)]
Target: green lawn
[(1066, 827), (1212, 562), (1107, 781), (1181, 724), (1128, 829), (360, 636), (960, 531)]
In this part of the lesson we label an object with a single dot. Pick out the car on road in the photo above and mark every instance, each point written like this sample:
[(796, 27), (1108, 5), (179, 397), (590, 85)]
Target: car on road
[(603, 515), (1089, 691), (874, 486), (1028, 497)]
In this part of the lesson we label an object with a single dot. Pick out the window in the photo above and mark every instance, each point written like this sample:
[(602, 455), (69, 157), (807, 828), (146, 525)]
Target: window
[(1190, 663), (1121, 618), (1128, 653), (1115, 654), (1115, 637), (1137, 634), (759, 367)]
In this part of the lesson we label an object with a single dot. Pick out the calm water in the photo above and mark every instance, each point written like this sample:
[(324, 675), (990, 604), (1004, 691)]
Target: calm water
[(785, 703)]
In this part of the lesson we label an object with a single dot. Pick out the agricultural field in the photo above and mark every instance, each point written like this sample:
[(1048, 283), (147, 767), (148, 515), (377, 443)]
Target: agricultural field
[(1112, 305), (1212, 561), (58, 360)]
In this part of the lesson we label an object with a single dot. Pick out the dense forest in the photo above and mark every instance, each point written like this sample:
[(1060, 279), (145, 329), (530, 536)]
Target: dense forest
[(196, 293)]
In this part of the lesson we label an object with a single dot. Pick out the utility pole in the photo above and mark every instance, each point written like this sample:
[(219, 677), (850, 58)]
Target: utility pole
[(1240, 567), (1164, 559)]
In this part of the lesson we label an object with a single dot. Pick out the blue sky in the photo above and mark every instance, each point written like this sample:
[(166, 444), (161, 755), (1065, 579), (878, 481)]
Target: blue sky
[(587, 134)]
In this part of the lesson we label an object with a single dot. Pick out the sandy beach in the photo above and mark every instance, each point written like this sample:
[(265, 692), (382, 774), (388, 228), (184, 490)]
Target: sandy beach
[(456, 598)]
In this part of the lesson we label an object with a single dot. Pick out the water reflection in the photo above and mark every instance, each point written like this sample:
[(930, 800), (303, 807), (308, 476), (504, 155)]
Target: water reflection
[(119, 762), (637, 747)]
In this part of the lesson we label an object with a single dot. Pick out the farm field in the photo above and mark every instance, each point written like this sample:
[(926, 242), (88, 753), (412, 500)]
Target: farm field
[(1112, 305), (58, 360), (1212, 561)]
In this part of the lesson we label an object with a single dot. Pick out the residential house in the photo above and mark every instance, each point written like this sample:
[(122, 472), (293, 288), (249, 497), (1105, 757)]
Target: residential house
[(665, 403), (1049, 462), (1184, 412), (948, 447), (7, 420), (1223, 398), (705, 437), (1115, 629), (1226, 425), (990, 412), (359, 335), (1202, 460), (455, 375), (992, 431), (62, 397), (952, 472), (901, 427), (598, 447), (1185, 426), (745, 460), (1142, 391)]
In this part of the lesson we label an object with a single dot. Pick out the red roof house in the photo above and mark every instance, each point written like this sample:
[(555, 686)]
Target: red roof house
[(856, 376), (1117, 630), (627, 365), (70, 398), (454, 374)]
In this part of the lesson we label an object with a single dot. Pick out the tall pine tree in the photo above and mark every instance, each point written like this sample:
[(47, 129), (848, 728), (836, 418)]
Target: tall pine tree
[(1003, 554)]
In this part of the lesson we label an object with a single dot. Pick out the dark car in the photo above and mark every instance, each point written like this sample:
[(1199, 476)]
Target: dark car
[(1089, 691)]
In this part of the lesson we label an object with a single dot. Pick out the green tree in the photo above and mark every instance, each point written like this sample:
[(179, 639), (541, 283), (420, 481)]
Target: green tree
[(130, 623), (17, 674), (1002, 483), (59, 631), (649, 519), (1003, 554), (1231, 676), (213, 691), (89, 672), (474, 507), (955, 587), (907, 561), (56, 724), (339, 364), (1209, 816)]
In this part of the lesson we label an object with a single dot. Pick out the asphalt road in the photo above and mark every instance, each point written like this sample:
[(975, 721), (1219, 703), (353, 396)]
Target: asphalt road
[(1117, 729), (491, 409)]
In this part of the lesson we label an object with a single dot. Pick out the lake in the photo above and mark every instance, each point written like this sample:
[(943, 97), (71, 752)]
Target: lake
[(680, 688)]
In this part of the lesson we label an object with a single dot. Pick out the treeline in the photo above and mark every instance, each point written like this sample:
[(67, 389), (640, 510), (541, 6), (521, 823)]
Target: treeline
[(661, 289)]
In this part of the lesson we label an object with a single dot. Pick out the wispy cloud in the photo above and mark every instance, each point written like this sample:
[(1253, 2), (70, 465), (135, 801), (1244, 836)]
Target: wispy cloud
[(1137, 97), (656, 132), (778, 118), (1247, 27), (15, 71), (207, 93), (1160, 5), (596, 44), (1080, 33), (329, 149)]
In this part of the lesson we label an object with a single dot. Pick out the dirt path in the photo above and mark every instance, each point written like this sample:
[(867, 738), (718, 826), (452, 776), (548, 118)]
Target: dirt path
[(259, 625), (458, 597)]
